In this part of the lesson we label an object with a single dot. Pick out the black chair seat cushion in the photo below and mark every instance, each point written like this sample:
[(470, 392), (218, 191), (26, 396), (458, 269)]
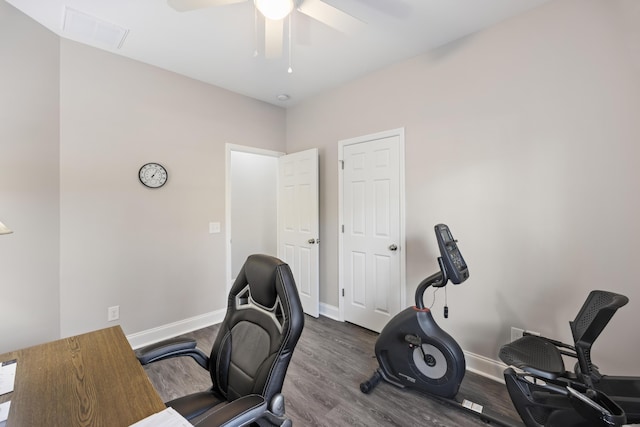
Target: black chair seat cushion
[(207, 410), (534, 355)]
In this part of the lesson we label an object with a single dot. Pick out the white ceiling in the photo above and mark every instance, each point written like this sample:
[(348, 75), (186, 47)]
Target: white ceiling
[(216, 44)]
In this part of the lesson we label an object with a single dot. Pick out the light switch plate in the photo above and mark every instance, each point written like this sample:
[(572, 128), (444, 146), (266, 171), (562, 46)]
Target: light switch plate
[(214, 227), (113, 313)]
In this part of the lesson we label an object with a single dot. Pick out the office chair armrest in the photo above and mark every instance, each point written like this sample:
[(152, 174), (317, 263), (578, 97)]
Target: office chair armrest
[(248, 409), (239, 412), (174, 347)]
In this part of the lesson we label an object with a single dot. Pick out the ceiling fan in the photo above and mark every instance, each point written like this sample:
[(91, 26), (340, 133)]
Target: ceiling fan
[(275, 12)]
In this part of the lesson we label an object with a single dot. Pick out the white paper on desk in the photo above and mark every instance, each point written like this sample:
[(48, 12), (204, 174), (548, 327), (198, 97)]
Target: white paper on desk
[(4, 411), (167, 418), (7, 376)]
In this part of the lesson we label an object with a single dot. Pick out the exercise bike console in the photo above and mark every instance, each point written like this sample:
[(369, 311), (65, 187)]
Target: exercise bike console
[(452, 265), (455, 268)]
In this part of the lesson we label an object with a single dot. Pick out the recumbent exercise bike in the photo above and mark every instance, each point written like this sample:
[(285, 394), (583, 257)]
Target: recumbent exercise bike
[(535, 361), (414, 352)]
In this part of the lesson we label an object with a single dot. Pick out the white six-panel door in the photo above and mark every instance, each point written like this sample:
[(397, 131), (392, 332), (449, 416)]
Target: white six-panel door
[(372, 238), (298, 223)]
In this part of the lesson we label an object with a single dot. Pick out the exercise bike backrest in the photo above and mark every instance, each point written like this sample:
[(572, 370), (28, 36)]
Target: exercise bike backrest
[(597, 310), (452, 265)]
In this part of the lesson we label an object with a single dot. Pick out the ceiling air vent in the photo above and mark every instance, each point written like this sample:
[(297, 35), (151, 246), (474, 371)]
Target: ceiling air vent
[(87, 29)]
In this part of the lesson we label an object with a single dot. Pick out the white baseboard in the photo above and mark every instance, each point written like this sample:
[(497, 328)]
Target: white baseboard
[(150, 336), (330, 311), (484, 366), (475, 363)]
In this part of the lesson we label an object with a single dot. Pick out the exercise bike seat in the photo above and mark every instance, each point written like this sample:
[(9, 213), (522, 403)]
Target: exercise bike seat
[(534, 355)]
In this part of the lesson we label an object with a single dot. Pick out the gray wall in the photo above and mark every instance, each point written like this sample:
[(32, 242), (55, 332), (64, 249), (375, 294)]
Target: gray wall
[(524, 139), (76, 125), (29, 184), (254, 207), (148, 251)]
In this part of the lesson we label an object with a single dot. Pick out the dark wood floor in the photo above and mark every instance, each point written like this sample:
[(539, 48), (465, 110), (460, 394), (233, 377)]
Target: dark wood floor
[(322, 384)]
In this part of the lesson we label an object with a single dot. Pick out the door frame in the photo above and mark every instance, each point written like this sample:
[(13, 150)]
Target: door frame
[(399, 132), (228, 149)]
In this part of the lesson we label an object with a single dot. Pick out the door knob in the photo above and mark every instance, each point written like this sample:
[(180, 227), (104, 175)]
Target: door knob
[(311, 241), (393, 247)]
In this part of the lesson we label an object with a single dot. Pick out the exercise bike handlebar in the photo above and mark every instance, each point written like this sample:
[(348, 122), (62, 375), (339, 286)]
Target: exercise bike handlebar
[(437, 280)]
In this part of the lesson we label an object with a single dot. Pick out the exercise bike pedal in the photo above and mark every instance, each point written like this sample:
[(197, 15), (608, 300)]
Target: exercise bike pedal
[(414, 340), (371, 383)]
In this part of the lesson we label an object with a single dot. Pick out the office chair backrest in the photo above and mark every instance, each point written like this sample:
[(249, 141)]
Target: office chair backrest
[(263, 323), (597, 310)]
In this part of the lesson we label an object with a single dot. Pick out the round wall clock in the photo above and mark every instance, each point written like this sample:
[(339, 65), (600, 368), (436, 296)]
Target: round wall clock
[(153, 175)]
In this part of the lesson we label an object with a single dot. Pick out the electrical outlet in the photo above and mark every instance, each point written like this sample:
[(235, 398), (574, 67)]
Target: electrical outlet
[(113, 313), (516, 333)]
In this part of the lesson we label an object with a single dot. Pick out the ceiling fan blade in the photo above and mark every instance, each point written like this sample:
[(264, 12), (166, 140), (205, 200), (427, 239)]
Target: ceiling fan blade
[(331, 16), (396, 8), (273, 33), (187, 5)]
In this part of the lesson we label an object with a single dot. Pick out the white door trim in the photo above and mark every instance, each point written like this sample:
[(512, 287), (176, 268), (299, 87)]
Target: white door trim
[(399, 132), (227, 203)]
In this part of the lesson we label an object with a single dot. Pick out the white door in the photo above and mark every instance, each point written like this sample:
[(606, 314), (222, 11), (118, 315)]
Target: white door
[(372, 264), (298, 223)]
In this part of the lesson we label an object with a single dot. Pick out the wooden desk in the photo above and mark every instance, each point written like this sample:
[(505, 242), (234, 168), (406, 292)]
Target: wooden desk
[(92, 380)]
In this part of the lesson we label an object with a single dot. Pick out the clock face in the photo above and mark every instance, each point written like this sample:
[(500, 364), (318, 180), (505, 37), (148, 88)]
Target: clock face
[(153, 175)]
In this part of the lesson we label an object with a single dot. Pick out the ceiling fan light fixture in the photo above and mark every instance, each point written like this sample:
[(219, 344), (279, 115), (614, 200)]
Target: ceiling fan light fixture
[(274, 9), (4, 229)]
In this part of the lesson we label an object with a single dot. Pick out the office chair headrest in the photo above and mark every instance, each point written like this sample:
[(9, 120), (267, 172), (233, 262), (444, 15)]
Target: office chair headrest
[(260, 272)]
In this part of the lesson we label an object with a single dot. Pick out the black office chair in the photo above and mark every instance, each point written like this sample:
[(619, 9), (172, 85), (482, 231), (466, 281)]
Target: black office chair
[(251, 353)]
